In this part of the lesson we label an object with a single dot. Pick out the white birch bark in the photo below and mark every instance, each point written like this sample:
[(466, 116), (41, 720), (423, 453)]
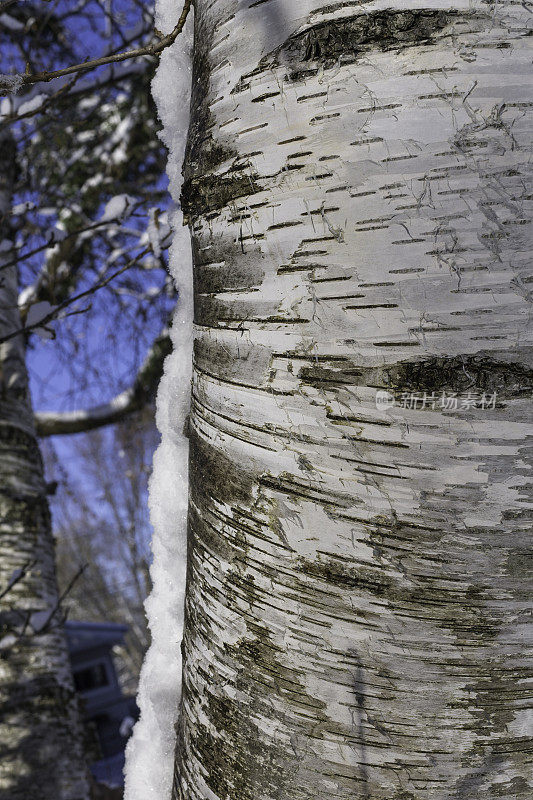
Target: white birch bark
[(357, 186), (40, 736)]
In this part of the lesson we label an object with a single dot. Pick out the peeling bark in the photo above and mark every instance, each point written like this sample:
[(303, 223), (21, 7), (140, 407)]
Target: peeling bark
[(357, 593), (40, 737)]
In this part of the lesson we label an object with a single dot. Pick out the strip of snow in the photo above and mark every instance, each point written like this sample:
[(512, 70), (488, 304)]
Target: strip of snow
[(105, 413), (11, 23), (153, 233), (150, 751), (32, 105)]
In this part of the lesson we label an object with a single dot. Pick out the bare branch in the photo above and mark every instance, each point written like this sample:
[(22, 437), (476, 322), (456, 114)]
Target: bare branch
[(5, 5), (57, 607), (18, 624), (8, 119)]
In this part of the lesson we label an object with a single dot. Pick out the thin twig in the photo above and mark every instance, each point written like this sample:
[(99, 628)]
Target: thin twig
[(64, 90), (63, 595), (5, 5), (50, 243)]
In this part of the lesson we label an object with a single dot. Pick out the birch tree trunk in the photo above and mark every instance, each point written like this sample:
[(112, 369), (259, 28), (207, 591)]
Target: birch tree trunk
[(40, 737), (357, 187)]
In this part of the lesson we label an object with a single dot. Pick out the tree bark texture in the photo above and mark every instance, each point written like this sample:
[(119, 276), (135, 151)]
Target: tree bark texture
[(40, 736), (358, 189)]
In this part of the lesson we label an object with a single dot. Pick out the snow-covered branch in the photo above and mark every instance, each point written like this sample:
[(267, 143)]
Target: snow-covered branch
[(55, 311), (15, 83), (132, 399)]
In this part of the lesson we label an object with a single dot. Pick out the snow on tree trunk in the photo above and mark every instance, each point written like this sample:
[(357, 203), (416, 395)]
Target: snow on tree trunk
[(149, 755), (356, 185), (40, 735)]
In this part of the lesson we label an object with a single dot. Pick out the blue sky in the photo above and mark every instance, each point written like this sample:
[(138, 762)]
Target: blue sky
[(96, 353)]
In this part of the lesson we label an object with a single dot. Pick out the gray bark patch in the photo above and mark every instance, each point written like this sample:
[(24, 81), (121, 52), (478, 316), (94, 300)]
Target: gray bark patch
[(205, 188), (346, 40), (434, 374)]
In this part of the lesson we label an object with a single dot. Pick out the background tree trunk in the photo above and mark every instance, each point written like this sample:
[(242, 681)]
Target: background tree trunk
[(40, 738), (356, 187)]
